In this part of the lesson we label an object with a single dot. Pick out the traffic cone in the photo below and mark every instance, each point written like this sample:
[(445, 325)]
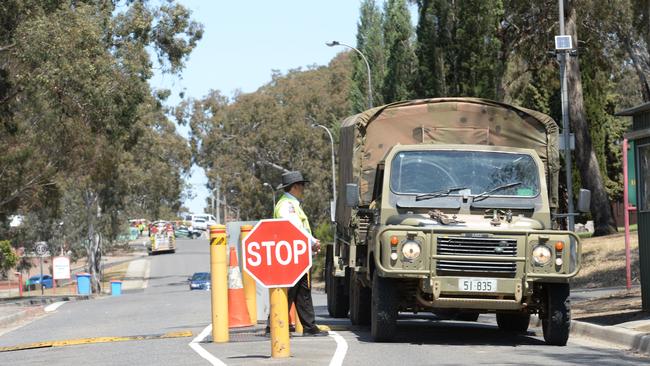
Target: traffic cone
[(237, 309)]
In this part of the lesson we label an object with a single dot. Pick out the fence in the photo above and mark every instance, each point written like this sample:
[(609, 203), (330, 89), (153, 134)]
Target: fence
[(11, 289)]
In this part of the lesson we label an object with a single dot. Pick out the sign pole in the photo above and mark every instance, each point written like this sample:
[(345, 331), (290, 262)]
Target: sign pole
[(626, 215), (219, 280), (277, 254), (41, 260), (280, 347)]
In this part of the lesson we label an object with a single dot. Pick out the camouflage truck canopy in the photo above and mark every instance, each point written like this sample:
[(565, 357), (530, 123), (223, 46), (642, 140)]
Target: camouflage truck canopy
[(365, 138)]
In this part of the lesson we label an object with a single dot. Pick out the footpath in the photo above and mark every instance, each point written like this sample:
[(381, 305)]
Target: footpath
[(16, 311), (607, 315), (612, 315)]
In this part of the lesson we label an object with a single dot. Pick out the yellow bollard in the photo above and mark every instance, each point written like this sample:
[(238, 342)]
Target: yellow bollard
[(279, 323), (249, 283), (219, 282), (298, 323)]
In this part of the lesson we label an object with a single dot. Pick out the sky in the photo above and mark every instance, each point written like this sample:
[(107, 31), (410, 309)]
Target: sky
[(245, 40)]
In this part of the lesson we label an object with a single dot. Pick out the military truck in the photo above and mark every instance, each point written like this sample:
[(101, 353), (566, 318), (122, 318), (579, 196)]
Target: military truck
[(448, 206)]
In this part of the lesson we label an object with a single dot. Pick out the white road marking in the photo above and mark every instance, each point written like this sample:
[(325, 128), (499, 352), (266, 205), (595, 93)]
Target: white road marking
[(341, 349), (337, 359), (196, 346), (53, 306)]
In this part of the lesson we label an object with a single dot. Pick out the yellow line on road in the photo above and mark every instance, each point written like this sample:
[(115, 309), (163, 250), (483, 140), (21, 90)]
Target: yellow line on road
[(74, 342)]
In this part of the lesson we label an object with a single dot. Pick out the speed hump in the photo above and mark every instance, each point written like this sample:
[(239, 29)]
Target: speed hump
[(277, 253)]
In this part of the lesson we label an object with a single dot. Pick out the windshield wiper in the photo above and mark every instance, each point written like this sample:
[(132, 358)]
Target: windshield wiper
[(483, 195), (441, 193)]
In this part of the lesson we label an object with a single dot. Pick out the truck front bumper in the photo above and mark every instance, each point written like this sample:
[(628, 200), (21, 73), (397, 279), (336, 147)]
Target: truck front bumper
[(447, 292)]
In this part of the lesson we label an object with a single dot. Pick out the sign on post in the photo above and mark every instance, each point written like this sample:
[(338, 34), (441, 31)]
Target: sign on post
[(61, 268), (277, 253), (41, 248)]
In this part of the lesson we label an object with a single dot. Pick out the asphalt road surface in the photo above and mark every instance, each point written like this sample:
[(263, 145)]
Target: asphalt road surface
[(167, 306)]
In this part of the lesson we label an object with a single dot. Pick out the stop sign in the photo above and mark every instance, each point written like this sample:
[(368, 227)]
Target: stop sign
[(277, 253)]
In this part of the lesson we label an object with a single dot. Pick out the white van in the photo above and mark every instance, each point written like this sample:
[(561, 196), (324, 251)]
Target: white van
[(201, 221)]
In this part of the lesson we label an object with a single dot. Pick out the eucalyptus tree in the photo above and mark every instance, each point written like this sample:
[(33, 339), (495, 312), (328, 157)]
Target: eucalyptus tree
[(251, 139), (77, 95)]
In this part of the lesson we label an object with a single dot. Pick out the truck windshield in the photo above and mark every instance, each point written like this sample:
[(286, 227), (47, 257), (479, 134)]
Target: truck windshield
[(476, 172)]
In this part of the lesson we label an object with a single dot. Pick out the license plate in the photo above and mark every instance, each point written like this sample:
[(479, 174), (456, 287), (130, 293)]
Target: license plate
[(477, 285)]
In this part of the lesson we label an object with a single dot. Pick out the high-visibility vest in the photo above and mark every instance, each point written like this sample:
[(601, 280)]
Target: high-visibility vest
[(300, 214)]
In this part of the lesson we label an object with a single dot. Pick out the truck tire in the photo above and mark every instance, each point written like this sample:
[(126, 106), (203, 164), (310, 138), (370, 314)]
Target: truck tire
[(337, 296), (383, 314), (360, 301), (513, 322), (556, 321)]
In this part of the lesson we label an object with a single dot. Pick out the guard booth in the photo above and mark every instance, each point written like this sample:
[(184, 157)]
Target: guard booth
[(639, 141)]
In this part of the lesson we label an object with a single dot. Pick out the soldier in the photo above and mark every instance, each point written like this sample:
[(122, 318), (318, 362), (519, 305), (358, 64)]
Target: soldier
[(288, 207)]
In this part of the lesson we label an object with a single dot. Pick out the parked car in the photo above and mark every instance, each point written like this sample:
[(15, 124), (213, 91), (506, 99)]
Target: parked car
[(185, 232), (33, 281), (201, 221), (199, 224), (200, 281)]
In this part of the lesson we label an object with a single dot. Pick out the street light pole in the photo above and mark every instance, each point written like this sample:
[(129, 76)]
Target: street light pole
[(333, 206), (337, 43)]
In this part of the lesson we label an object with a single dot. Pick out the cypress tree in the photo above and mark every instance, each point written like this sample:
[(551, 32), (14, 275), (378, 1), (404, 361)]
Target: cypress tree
[(474, 48), (400, 64), (432, 38), (370, 42)]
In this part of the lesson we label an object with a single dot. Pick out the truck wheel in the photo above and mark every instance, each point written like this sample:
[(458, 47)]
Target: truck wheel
[(383, 314), (556, 321), (337, 297), (360, 301), (513, 322)]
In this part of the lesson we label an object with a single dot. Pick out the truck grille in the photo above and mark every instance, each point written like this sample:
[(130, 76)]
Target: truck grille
[(468, 246)]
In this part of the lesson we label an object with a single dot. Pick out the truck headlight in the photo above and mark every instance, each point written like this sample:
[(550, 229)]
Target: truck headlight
[(411, 250), (541, 255)]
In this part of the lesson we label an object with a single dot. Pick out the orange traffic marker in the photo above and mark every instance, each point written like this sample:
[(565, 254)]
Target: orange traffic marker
[(237, 309)]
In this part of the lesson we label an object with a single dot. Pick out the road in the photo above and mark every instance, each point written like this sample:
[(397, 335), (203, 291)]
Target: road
[(166, 305)]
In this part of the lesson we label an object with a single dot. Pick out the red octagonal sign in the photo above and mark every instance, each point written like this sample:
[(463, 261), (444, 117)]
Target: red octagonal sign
[(277, 253)]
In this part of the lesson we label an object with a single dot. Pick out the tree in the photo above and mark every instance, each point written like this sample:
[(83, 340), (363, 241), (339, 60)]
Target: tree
[(458, 48), (400, 59), (531, 80), (250, 139), (8, 257), (371, 43), (473, 52), (432, 41), (586, 160), (78, 111)]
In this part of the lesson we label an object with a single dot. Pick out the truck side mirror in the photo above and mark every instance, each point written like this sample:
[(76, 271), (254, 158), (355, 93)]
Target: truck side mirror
[(584, 200), (352, 195)]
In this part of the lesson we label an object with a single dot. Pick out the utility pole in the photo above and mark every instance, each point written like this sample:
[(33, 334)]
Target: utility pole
[(218, 188), (566, 128)]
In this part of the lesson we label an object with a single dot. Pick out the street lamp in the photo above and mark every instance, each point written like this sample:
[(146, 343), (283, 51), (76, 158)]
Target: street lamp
[(337, 43), (272, 191), (333, 205)]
